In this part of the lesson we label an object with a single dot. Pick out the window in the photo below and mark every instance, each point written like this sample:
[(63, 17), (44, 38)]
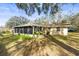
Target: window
[(58, 29)]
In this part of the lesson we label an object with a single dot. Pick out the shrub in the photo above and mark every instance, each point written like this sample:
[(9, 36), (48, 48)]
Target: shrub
[(38, 33), (5, 32), (1, 34)]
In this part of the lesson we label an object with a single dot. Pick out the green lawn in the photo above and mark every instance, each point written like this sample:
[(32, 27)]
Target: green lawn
[(10, 45)]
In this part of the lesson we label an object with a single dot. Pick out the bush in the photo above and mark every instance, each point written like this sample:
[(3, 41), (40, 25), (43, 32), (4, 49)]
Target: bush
[(5, 32), (41, 33), (1, 34), (38, 33)]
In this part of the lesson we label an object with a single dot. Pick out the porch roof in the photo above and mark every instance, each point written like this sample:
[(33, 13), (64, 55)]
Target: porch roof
[(54, 25), (29, 24)]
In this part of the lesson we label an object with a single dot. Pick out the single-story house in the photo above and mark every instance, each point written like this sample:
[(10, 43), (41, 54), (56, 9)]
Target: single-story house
[(31, 28)]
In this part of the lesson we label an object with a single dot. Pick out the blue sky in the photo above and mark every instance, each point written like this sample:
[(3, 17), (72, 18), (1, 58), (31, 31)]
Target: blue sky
[(7, 10)]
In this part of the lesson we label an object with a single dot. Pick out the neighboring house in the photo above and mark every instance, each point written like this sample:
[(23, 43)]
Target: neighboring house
[(30, 28)]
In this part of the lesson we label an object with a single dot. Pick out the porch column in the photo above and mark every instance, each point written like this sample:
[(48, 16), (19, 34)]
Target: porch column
[(15, 30), (23, 30), (33, 30), (19, 30), (42, 28)]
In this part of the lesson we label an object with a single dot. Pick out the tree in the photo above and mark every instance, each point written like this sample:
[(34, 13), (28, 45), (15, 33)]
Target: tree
[(15, 21), (41, 21), (49, 9), (31, 8), (75, 21)]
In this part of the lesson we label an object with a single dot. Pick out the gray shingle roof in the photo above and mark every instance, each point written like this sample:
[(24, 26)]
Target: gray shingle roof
[(54, 25), (28, 24)]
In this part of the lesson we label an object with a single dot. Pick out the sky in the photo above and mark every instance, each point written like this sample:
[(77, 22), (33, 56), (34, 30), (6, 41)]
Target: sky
[(8, 10)]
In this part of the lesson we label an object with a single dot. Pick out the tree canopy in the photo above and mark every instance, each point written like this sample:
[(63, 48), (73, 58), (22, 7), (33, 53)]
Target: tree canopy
[(75, 21), (41, 21), (31, 8), (15, 21)]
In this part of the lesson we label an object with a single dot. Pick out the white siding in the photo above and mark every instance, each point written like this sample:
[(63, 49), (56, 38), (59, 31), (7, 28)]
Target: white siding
[(51, 31), (60, 32), (65, 31)]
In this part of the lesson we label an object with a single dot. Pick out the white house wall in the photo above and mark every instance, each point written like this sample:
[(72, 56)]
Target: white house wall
[(53, 31), (65, 31)]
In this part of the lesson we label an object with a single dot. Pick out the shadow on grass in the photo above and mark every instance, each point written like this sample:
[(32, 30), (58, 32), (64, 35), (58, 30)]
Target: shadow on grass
[(3, 50), (36, 48), (69, 48), (25, 48)]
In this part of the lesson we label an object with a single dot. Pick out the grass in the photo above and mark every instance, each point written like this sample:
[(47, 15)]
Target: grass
[(11, 37), (28, 46), (25, 37), (63, 37), (72, 39), (21, 37), (38, 33)]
